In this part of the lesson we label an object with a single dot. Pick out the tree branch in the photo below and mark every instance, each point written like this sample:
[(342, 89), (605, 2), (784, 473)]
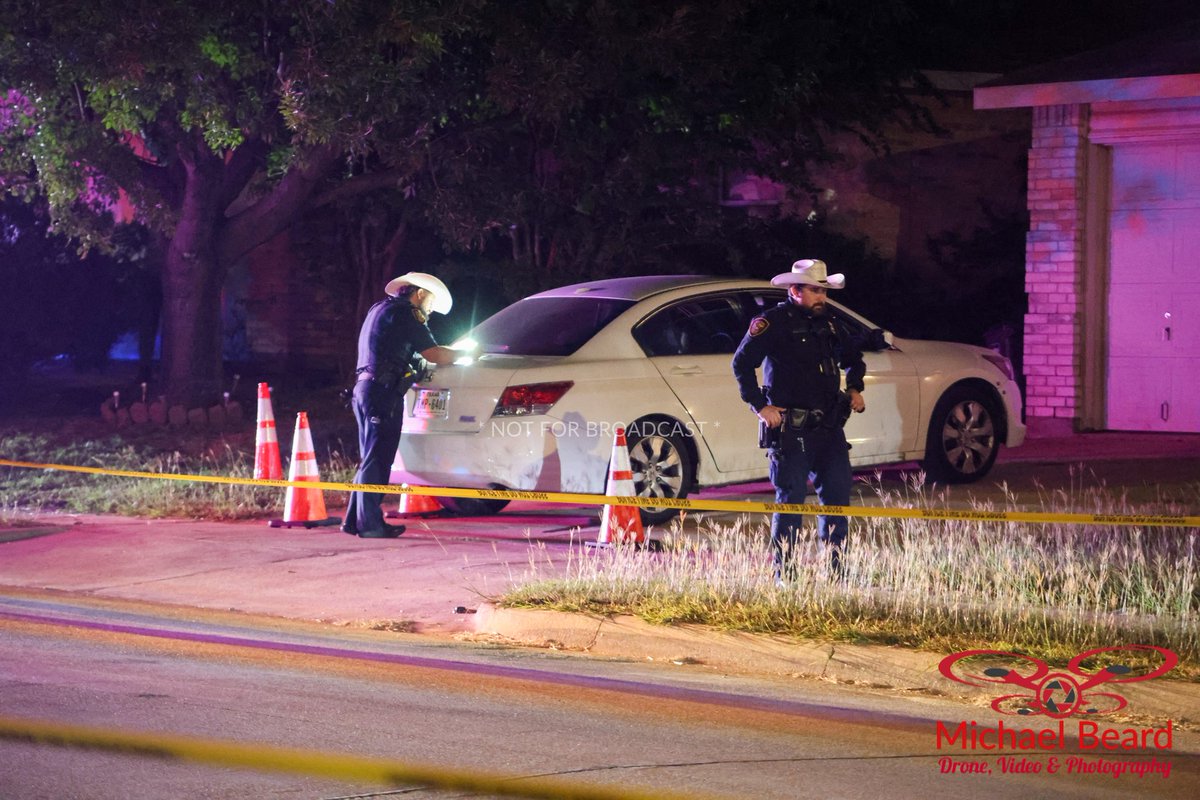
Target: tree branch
[(391, 251), (239, 169), (359, 184), (273, 213)]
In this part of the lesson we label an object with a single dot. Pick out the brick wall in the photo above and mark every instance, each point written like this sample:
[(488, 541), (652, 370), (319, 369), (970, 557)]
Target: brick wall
[(1055, 261), (295, 319)]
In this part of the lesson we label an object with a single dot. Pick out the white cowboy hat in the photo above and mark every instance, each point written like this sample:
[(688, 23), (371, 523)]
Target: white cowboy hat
[(442, 301), (811, 272)]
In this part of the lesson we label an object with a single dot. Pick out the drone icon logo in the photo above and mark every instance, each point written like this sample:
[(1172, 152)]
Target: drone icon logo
[(1056, 694)]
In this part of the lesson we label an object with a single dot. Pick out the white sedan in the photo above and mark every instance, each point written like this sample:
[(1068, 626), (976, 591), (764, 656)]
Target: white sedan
[(554, 374)]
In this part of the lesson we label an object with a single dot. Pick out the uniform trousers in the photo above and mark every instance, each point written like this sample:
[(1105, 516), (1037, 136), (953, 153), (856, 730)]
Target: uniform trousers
[(821, 454), (379, 412)]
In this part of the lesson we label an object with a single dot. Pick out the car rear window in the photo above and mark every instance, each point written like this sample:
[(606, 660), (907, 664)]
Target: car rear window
[(546, 326)]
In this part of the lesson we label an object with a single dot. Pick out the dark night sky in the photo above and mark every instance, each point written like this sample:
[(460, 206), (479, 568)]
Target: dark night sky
[(1004, 35)]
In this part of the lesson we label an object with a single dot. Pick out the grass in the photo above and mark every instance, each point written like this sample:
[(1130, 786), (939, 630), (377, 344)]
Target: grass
[(1050, 591), (27, 492)]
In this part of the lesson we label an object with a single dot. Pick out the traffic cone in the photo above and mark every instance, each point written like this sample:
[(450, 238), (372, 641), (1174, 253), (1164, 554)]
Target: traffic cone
[(266, 442), (620, 523), (412, 505), (302, 506)]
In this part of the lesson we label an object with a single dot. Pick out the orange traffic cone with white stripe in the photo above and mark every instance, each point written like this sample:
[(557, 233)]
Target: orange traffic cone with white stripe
[(620, 524), (266, 441), (412, 505), (303, 506)]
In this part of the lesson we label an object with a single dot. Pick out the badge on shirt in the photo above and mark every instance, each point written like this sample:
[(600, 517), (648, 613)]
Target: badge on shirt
[(758, 325)]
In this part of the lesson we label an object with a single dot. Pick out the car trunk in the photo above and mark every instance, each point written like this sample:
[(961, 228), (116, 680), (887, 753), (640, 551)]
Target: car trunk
[(461, 399)]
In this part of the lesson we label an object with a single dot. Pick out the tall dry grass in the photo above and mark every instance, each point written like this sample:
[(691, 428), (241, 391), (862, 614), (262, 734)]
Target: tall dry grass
[(27, 492), (1049, 589)]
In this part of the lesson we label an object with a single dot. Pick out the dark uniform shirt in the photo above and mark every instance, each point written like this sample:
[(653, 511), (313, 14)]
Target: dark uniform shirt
[(392, 334), (803, 354)]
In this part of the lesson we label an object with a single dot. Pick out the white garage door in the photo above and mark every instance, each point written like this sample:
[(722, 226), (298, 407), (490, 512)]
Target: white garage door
[(1154, 289)]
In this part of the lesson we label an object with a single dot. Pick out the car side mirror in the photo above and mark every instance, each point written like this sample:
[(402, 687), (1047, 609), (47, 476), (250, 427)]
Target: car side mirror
[(878, 339)]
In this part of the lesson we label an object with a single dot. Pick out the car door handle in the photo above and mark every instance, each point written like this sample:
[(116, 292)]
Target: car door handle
[(691, 369)]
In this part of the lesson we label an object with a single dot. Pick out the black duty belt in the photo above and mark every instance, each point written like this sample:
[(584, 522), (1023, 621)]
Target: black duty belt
[(386, 379), (804, 418)]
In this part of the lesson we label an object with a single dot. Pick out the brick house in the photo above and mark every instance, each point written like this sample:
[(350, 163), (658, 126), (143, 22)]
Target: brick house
[(1112, 333)]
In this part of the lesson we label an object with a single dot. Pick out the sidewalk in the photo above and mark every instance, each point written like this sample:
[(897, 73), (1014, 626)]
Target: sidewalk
[(317, 575), (437, 578), (1103, 446)]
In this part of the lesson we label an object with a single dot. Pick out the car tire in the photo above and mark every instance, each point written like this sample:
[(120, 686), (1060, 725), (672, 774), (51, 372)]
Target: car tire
[(964, 436), (662, 466), (472, 506)]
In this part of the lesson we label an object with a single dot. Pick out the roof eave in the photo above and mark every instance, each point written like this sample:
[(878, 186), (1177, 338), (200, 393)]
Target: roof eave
[(1149, 87)]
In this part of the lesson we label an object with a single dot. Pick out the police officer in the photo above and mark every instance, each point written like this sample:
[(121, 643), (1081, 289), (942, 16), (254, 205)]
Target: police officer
[(801, 409), (395, 350)]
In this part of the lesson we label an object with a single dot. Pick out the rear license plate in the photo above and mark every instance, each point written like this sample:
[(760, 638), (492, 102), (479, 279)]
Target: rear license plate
[(431, 403)]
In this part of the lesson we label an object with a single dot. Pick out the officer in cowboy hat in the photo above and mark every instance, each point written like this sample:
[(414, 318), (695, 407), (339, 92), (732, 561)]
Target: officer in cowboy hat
[(395, 350), (801, 407)]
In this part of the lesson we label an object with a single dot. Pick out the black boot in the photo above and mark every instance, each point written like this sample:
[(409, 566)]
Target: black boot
[(387, 532)]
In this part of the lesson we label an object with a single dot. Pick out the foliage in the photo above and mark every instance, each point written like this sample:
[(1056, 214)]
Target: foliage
[(585, 138), (216, 122), (980, 280), (984, 280), (599, 145)]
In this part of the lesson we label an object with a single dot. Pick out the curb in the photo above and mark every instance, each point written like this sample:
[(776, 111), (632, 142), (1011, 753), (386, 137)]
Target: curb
[(867, 666), (625, 636)]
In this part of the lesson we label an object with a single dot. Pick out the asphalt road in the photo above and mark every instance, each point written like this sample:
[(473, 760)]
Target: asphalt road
[(611, 723)]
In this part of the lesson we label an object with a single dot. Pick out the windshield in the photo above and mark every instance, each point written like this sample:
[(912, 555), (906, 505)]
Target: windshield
[(546, 326)]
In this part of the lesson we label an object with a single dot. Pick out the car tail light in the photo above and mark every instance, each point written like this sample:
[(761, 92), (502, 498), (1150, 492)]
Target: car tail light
[(530, 398), (1000, 362)]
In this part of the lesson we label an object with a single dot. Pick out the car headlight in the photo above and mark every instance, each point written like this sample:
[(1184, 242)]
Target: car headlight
[(999, 362)]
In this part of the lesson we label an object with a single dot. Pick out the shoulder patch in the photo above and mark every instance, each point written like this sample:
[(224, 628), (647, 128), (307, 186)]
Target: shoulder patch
[(758, 326), (419, 315)]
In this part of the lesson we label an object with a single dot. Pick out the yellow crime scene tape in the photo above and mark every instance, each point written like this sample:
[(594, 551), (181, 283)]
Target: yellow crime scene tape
[(266, 758), (682, 504)]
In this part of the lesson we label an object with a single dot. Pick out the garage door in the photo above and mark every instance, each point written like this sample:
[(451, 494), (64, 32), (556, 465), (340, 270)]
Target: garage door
[(1154, 289)]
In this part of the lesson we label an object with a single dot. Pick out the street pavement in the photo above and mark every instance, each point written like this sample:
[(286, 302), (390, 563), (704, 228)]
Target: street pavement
[(438, 579)]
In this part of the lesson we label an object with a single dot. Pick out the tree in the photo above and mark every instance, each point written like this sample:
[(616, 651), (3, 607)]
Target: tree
[(605, 126), (586, 134), (216, 122)]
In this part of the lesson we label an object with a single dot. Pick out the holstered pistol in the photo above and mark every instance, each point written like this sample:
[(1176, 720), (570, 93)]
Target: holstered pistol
[(769, 437)]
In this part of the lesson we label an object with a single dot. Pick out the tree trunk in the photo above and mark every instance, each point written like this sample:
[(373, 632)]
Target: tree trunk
[(192, 279), (204, 246), (373, 259)]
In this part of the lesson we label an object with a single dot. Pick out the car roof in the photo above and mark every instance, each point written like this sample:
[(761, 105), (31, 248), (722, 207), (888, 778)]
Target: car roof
[(637, 287)]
